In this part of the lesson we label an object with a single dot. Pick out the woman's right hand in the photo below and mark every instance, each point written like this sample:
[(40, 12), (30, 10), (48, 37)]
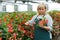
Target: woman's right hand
[(31, 24), (27, 23)]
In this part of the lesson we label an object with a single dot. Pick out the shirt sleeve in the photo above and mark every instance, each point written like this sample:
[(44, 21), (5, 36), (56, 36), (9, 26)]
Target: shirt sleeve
[(50, 22), (32, 20)]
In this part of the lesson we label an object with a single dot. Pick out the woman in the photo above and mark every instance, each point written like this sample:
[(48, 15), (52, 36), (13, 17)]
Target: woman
[(41, 32)]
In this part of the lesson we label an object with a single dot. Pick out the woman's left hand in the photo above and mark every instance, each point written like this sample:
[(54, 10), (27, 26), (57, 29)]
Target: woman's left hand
[(41, 24)]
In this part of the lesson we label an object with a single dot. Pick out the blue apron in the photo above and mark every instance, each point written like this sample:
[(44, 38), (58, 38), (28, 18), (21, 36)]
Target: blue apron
[(40, 33)]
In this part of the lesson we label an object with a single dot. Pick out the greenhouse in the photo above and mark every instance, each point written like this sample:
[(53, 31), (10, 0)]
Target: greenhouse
[(29, 19)]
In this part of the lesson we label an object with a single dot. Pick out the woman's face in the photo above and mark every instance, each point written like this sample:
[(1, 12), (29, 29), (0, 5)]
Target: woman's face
[(41, 10)]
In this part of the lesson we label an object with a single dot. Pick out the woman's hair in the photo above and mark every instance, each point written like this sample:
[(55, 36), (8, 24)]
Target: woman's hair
[(42, 4)]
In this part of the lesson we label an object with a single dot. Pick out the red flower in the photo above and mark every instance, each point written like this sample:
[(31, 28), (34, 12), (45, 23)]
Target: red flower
[(0, 38), (22, 28), (41, 23), (4, 20), (10, 30), (11, 20), (24, 31), (18, 28), (27, 33), (9, 25), (14, 35), (31, 35), (20, 39), (46, 21), (57, 19), (32, 28), (23, 22)]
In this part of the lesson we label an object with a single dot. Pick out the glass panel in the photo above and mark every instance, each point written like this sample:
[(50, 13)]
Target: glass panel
[(9, 8)]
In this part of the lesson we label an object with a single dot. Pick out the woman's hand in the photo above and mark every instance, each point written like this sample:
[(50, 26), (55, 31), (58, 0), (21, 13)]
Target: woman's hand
[(41, 24), (27, 23)]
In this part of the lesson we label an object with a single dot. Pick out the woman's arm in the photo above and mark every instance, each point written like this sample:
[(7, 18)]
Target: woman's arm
[(47, 28), (31, 22)]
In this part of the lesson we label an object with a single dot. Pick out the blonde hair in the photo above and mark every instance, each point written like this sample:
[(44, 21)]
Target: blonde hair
[(42, 5)]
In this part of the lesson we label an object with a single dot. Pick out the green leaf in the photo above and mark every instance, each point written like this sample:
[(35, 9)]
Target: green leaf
[(4, 24), (29, 39)]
